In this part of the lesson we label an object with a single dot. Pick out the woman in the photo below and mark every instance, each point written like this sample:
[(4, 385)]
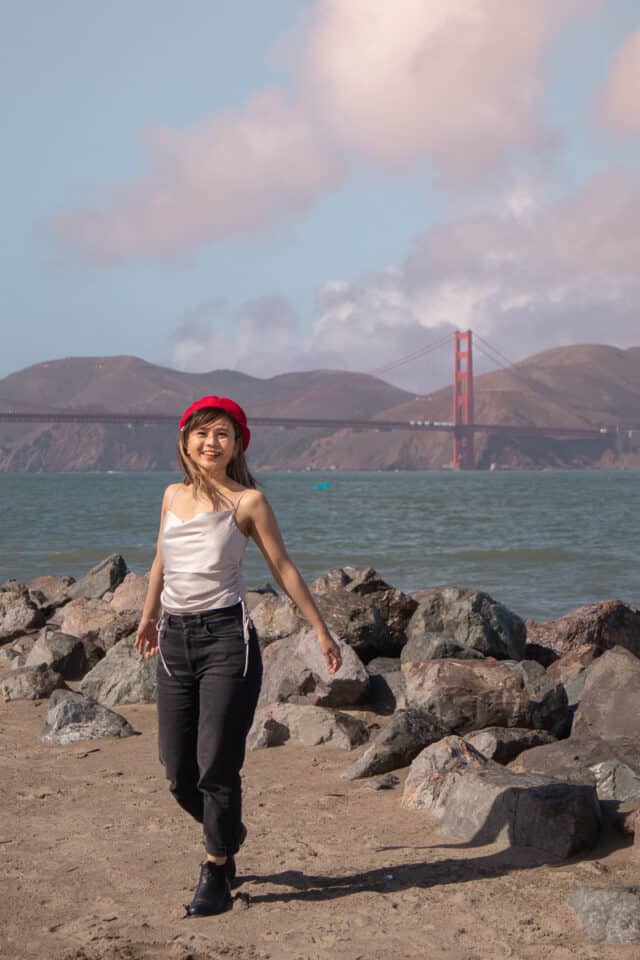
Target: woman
[(209, 666)]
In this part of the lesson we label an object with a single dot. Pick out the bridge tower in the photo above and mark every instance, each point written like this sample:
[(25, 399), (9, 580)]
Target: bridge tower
[(463, 456)]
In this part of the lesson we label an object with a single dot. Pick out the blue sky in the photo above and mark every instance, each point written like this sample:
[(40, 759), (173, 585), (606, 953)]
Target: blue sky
[(302, 183)]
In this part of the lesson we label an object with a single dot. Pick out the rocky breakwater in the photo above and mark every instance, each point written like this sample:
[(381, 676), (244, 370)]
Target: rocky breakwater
[(521, 734)]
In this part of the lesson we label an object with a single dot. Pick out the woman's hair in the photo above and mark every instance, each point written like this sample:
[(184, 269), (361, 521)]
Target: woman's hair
[(237, 469)]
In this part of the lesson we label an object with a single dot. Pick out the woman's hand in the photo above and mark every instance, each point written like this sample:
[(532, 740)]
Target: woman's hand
[(146, 642), (330, 652)]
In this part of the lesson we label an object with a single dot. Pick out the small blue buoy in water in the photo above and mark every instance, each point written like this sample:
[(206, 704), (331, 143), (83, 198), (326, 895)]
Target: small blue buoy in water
[(324, 485)]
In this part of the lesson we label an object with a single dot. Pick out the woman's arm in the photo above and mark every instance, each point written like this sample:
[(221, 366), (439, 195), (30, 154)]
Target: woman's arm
[(257, 520), (146, 641)]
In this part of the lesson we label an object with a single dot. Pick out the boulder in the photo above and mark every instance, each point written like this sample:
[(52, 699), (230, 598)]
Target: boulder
[(616, 780), (607, 624), (358, 621), (267, 733), (504, 744), (54, 590), (542, 655), (18, 614), (96, 622), (295, 671), (356, 615), (255, 594), (69, 656), (455, 618), (396, 607), (576, 759), (386, 692), (481, 801), (627, 822), (311, 725), (16, 653), (608, 914), (383, 665), (101, 579), (122, 676), (608, 707), (569, 666), (131, 594), (401, 739), (385, 782), (72, 717), (333, 580), (275, 618), (30, 683), (465, 695)]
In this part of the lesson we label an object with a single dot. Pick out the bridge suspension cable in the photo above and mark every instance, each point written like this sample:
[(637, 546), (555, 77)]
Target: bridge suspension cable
[(421, 352)]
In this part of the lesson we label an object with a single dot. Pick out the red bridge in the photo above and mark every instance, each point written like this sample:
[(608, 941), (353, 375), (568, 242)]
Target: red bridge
[(462, 426)]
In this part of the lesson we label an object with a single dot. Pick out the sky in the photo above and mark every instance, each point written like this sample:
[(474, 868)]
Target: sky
[(300, 184)]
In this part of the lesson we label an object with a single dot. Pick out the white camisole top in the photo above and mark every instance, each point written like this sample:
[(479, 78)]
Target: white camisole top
[(202, 559)]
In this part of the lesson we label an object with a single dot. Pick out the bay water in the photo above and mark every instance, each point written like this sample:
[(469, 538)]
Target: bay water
[(540, 542)]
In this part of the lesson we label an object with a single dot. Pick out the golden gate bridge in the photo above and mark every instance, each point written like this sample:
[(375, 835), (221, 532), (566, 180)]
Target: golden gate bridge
[(462, 425)]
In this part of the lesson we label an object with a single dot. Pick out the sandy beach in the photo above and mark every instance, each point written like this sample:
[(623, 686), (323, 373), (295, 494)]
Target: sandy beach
[(97, 861)]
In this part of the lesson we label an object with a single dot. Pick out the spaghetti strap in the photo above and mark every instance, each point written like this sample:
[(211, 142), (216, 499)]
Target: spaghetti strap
[(173, 496), (237, 503)]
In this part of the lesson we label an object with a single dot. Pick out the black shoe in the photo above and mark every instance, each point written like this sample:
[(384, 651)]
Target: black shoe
[(212, 893), (230, 865)]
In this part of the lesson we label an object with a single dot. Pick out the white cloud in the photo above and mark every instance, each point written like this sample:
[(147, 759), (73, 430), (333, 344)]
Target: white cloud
[(234, 174), (255, 337), (567, 272), (456, 83)]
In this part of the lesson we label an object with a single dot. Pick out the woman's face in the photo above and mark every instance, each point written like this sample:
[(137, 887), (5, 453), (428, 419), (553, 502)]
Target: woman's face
[(212, 446)]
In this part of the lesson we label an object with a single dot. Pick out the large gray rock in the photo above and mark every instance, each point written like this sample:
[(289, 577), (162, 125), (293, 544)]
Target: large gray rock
[(386, 692), (295, 671), (275, 618), (123, 676), (30, 683), (399, 741), (255, 594), (278, 722), (358, 616), (18, 614), (504, 744), (608, 707), (455, 618), (575, 760), (572, 664), (69, 656), (481, 802), (358, 621), (616, 780), (101, 579), (15, 653), (396, 607), (335, 579), (96, 622), (464, 695), (72, 717), (131, 594), (608, 914), (606, 624), (55, 590)]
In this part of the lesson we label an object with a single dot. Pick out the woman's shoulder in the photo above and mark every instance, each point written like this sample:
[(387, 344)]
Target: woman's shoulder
[(250, 496), (170, 492)]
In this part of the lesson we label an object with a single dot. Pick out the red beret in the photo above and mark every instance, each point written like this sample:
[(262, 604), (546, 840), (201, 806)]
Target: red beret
[(222, 403)]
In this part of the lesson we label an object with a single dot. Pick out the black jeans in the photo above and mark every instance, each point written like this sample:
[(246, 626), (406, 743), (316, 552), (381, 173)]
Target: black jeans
[(209, 676)]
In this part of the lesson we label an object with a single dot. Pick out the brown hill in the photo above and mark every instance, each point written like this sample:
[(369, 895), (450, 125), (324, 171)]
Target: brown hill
[(584, 385)]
